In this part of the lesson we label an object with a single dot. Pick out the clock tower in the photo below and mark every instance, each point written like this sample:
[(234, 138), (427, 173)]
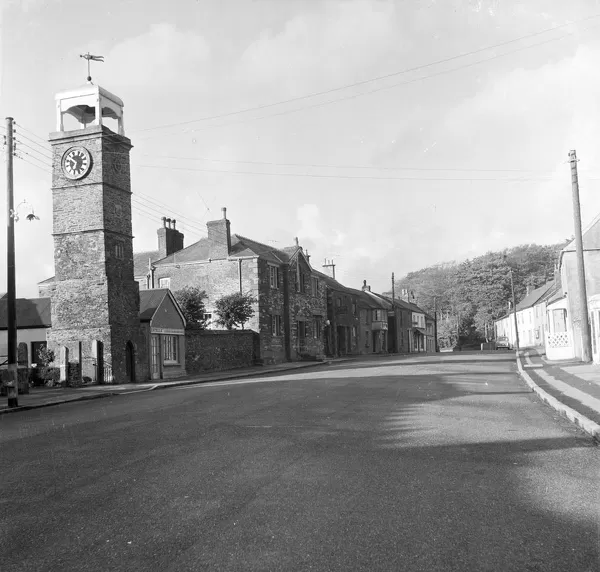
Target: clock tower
[(95, 299)]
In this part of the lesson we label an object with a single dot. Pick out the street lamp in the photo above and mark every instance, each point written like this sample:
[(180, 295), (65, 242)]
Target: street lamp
[(514, 303)]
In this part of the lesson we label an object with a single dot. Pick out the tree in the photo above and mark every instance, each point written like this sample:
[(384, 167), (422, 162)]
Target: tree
[(234, 310), (191, 301), (470, 295)]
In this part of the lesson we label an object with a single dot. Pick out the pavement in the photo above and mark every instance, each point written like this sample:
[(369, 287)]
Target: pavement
[(571, 387), (42, 396)]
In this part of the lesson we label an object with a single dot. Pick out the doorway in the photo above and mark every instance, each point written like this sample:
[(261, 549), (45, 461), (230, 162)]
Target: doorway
[(130, 362)]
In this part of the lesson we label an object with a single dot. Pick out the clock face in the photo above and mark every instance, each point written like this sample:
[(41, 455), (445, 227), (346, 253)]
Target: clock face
[(76, 162)]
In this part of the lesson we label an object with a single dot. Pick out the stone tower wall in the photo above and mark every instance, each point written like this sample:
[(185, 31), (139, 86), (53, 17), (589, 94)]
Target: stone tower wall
[(95, 297)]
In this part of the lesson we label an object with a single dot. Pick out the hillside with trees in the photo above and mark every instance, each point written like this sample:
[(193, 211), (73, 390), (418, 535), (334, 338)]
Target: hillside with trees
[(470, 295)]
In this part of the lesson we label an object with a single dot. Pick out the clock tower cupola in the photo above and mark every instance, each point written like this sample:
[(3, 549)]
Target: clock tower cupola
[(95, 299)]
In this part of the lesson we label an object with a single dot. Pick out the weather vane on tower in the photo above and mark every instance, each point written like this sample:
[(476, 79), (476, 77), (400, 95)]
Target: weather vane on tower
[(89, 57)]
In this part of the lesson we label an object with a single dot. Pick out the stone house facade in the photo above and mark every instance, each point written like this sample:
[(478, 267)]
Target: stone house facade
[(290, 306)]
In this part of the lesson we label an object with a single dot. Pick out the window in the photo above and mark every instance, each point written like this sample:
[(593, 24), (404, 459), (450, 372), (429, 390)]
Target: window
[(274, 276), (559, 319), (377, 315), (207, 320), (354, 308), (170, 353), (143, 283), (316, 328), (305, 283), (354, 332), (164, 282), (315, 286), (301, 330), (338, 302), (119, 250), (276, 329)]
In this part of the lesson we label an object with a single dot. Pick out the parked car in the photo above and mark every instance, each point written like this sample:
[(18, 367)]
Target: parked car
[(502, 343)]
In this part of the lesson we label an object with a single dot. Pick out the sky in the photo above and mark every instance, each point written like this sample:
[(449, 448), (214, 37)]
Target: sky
[(385, 135)]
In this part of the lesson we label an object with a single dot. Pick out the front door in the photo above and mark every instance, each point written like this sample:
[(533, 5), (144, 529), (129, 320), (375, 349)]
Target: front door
[(130, 362), (99, 362), (155, 356)]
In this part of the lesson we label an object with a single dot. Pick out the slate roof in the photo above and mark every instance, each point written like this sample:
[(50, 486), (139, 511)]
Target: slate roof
[(333, 283), (140, 261), (534, 296), (150, 300), (587, 239), (31, 313), (241, 246)]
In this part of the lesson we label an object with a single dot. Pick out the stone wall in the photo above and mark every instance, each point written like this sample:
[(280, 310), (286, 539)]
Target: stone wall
[(213, 350), (23, 374)]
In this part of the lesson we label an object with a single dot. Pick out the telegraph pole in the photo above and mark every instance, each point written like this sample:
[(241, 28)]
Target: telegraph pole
[(586, 342), (437, 348), (12, 385), (514, 301)]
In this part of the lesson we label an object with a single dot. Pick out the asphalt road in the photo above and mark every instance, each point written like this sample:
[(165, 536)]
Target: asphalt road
[(434, 463)]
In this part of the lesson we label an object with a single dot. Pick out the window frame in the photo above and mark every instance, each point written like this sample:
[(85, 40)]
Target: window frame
[(168, 279), (276, 325), (170, 349), (274, 280)]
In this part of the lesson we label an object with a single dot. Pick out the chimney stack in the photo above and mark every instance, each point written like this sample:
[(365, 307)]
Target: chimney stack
[(365, 287), (219, 237), (170, 240)]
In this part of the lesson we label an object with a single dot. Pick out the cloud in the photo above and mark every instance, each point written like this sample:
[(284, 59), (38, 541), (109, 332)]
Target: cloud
[(163, 56), (309, 218), (340, 41)]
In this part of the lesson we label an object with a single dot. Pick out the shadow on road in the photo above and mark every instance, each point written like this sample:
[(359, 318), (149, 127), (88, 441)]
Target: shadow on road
[(330, 469)]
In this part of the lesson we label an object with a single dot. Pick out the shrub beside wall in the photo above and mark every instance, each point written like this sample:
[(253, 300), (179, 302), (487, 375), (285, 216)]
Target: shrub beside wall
[(214, 350)]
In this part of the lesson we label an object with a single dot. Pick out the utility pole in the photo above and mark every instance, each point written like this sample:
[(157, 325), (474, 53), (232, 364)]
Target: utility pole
[(437, 348), (586, 342), (12, 384), (514, 302)]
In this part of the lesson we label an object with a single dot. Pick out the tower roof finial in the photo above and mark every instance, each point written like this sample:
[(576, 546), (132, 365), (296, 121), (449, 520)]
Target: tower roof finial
[(89, 57)]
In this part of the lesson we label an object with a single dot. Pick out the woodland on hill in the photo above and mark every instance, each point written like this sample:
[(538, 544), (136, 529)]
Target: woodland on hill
[(468, 296)]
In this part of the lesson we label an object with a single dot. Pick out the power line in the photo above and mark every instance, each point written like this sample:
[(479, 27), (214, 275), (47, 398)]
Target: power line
[(329, 166), (45, 150), (161, 213), (162, 205), (32, 133), (30, 163), (18, 142), (359, 177), (379, 78)]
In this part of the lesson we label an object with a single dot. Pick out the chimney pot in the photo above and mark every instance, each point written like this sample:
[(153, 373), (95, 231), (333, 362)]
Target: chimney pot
[(170, 240), (224, 211)]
